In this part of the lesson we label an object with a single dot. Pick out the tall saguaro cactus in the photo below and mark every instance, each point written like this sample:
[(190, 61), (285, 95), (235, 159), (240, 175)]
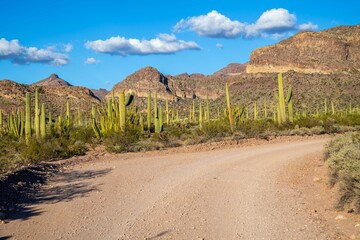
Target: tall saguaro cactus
[(37, 114), (123, 103), (28, 118), (231, 119), (281, 101), (42, 121), (149, 111), (289, 101)]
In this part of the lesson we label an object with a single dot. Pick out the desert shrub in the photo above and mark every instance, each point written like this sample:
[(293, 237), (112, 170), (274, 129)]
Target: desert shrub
[(10, 152), (122, 142), (343, 159), (216, 129)]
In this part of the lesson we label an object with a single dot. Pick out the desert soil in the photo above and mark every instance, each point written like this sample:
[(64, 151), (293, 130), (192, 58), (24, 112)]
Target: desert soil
[(252, 190)]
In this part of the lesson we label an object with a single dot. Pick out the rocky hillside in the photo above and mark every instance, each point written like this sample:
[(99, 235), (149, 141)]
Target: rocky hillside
[(169, 87), (231, 69), (53, 91), (333, 50)]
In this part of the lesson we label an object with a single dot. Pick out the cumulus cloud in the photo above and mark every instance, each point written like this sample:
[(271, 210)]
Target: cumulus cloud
[(16, 53), (212, 24), (91, 61), (162, 44), (271, 23), (307, 26)]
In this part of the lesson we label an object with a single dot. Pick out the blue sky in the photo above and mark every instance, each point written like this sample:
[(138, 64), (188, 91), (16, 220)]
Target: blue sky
[(98, 43)]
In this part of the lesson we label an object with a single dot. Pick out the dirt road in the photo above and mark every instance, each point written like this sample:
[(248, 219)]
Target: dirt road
[(220, 194)]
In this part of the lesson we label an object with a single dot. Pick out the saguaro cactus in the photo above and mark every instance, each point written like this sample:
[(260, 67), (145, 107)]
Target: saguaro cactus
[(282, 111), (290, 104), (149, 111), (200, 116), (28, 118), (231, 119), (42, 121), (68, 116), (37, 114), (123, 103)]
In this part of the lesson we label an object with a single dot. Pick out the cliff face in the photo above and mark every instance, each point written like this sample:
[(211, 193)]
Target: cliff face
[(328, 51)]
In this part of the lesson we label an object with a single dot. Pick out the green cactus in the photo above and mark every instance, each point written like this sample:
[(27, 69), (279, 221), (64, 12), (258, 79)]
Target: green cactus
[(281, 99), (200, 116), (50, 119), (122, 110), (289, 101), (93, 122), (161, 120), (231, 119), (156, 115), (28, 118), (43, 121), (68, 116), (79, 118), (37, 114), (149, 111), (325, 106)]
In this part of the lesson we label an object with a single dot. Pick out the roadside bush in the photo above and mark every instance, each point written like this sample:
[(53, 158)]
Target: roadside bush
[(123, 141), (343, 159)]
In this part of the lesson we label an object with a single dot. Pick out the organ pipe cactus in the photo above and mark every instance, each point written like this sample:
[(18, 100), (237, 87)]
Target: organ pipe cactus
[(28, 118), (231, 119)]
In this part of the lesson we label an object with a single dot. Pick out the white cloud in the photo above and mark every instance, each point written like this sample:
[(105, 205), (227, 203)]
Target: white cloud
[(91, 61), (272, 23), (18, 54), (68, 47), (307, 26), (163, 44), (276, 21), (219, 45), (213, 24)]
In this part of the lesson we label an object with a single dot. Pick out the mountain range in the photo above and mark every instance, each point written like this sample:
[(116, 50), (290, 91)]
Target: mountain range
[(318, 65)]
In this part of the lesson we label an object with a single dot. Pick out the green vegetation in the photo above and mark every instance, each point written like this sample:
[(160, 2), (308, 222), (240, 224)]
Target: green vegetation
[(28, 135), (343, 159)]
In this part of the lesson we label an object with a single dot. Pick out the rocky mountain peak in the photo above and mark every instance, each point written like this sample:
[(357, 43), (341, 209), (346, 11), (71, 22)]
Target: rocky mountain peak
[(52, 80)]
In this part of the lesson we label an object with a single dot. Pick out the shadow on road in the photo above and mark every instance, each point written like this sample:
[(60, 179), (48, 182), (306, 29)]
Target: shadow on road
[(21, 191)]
